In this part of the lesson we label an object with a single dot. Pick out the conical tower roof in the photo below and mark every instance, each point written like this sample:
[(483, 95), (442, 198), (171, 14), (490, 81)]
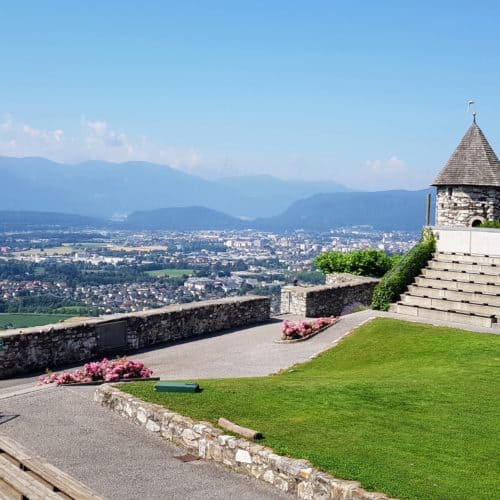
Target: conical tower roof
[(474, 163)]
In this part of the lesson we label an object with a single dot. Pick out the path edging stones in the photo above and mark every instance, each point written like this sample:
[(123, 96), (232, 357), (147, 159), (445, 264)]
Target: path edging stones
[(203, 439)]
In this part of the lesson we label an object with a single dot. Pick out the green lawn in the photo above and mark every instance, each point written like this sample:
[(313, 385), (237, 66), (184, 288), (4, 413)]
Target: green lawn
[(24, 320), (407, 409), (171, 273)]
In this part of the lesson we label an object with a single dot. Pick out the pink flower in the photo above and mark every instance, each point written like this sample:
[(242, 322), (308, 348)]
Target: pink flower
[(109, 371)]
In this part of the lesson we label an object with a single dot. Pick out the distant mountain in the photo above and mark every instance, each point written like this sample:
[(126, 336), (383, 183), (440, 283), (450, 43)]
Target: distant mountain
[(183, 219), (102, 189), (99, 188), (275, 195), (386, 210), (20, 220)]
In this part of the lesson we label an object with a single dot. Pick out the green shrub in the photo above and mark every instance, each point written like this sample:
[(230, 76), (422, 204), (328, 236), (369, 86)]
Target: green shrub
[(495, 224), (361, 262), (394, 283)]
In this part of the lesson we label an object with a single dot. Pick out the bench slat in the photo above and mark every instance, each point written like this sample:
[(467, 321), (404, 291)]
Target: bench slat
[(14, 477)]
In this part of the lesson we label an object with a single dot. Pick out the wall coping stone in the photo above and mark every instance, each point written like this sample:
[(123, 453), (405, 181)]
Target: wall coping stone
[(295, 476), (321, 288)]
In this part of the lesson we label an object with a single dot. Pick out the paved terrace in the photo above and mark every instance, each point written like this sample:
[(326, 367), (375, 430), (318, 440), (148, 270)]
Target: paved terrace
[(122, 461)]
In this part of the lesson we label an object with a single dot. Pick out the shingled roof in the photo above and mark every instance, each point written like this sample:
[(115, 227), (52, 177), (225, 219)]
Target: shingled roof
[(474, 163)]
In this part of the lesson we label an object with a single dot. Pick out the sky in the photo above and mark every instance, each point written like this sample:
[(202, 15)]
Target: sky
[(369, 94)]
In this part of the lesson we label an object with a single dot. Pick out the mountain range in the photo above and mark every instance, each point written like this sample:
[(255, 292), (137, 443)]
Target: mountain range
[(103, 189), (385, 210), (40, 193)]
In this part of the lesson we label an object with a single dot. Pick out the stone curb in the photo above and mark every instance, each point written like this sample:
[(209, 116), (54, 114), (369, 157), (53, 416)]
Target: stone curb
[(202, 439)]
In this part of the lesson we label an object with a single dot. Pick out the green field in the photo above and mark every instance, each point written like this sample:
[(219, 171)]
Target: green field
[(407, 409), (24, 320), (170, 273)]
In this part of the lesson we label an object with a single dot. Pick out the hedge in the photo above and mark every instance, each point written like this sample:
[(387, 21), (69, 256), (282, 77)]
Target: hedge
[(368, 262), (397, 279)]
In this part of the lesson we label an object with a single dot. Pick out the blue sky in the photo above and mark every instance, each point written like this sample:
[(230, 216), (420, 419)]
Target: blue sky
[(370, 94)]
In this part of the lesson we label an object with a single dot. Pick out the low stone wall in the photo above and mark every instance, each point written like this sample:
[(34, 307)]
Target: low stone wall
[(204, 440), (341, 291), (50, 346)]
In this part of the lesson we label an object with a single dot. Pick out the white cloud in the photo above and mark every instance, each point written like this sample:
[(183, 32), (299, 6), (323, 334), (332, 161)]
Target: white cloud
[(390, 173), (391, 166), (21, 139), (96, 141)]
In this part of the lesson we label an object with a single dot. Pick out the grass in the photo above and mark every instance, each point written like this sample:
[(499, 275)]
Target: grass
[(59, 250), (407, 409), (171, 273), (25, 320)]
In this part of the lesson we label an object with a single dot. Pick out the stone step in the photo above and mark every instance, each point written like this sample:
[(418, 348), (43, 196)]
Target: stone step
[(467, 258), (434, 314), (457, 285), (443, 293), (464, 267), (450, 305), (461, 276)]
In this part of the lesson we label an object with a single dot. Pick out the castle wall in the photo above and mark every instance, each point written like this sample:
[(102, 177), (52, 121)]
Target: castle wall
[(327, 300), (50, 346), (465, 204)]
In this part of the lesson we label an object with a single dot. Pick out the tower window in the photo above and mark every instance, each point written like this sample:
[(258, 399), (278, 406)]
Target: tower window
[(450, 191)]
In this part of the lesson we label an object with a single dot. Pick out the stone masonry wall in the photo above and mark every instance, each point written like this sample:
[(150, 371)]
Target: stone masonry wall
[(465, 204), (49, 346), (327, 300), (202, 439)]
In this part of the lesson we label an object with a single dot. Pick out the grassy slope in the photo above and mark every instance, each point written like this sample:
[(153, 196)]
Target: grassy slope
[(407, 409), (25, 320)]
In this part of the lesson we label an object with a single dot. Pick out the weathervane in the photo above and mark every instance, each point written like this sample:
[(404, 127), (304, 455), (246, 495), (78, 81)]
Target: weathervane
[(469, 105)]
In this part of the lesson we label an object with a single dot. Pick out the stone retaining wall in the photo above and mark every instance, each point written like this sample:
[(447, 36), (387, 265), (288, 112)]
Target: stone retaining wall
[(341, 291), (50, 346), (204, 440)]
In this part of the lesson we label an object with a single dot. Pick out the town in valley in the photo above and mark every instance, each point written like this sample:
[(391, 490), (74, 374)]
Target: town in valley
[(97, 272)]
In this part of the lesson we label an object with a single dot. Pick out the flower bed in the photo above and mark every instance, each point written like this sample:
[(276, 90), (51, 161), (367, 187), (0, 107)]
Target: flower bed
[(303, 330), (100, 371)]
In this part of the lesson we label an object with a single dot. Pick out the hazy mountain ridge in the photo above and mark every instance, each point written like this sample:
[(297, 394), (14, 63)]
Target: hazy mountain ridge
[(19, 220), (99, 188), (160, 197), (386, 210)]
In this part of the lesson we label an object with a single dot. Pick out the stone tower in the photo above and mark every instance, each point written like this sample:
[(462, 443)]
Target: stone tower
[(468, 187)]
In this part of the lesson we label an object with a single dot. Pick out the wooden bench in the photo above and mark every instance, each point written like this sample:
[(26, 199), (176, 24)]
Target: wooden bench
[(24, 475)]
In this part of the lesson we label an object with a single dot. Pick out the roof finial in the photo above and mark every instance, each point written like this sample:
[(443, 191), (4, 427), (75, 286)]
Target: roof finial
[(469, 106)]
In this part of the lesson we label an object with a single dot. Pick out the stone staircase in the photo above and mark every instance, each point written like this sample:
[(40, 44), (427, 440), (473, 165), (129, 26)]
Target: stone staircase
[(460, 288)]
